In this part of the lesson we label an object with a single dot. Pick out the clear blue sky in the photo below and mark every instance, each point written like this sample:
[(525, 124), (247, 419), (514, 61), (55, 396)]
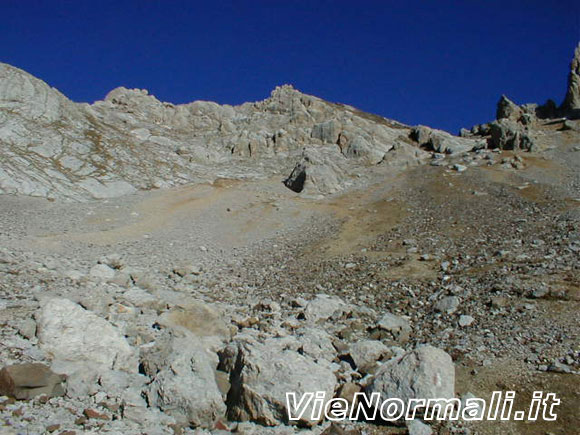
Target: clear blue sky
[(439, 63)]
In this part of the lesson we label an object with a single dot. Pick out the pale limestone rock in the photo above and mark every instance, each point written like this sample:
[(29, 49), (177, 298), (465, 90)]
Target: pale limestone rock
[(366, 353), (424, 373), (77, 337), (264, 373), (323, 306), (184, 381)]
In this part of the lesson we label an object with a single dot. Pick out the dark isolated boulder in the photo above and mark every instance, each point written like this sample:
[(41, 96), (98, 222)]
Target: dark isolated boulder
[(297, 178)]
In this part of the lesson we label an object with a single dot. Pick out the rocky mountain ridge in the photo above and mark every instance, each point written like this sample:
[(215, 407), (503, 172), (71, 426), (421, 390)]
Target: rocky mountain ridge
[(55, 148), (131, 141)]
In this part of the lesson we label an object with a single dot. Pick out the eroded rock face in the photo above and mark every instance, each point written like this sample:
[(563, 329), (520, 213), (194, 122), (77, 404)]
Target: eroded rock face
[(510, 135), (441, 141), (131, 141), (318, 172), (507, 109)]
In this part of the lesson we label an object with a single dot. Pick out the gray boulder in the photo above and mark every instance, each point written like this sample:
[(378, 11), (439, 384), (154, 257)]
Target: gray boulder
[(447, 305), (102, 272), (317, 172), (201, 319), (507, 109), (424, 373), (316, 343), (184, 380), (392, 327), (323, 306), (417, 427), (440, 141), (264, 373), (366, 354)]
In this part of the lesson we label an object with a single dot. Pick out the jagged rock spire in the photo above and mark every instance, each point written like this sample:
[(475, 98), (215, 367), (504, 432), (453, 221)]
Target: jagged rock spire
[(571, 103)]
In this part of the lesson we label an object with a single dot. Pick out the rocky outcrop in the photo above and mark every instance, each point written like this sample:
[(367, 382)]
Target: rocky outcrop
[(509, 135), (318, 172), (571, 104), (131, 141), (441, 141), (512, 130), (507, 109)]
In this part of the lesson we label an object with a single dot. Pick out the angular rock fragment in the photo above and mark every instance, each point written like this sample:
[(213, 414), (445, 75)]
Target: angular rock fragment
[(424, 373), (263, 374), (392, 327), (75, 336), (184, 381), (509, 135), (366, 353), (318, 172), (322, 307), (202, 320), (25, 381)]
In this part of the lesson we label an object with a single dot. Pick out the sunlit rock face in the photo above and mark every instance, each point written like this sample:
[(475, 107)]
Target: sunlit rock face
[(55, 148)]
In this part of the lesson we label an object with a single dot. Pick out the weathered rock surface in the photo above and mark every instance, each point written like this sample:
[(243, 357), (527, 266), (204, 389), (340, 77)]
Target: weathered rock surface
[(77, 338), (264, 373), (184, 381), (366, 353), (426, 372), (322, 307), (393, 327), (216, 283), (509, 135), (571, 104), (318, 172), (417, 427), (507, 109), (441, 141), (131, 141), (202, 320)]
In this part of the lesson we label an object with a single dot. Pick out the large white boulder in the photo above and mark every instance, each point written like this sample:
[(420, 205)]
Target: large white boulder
[(75, 336), (264, 373)]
